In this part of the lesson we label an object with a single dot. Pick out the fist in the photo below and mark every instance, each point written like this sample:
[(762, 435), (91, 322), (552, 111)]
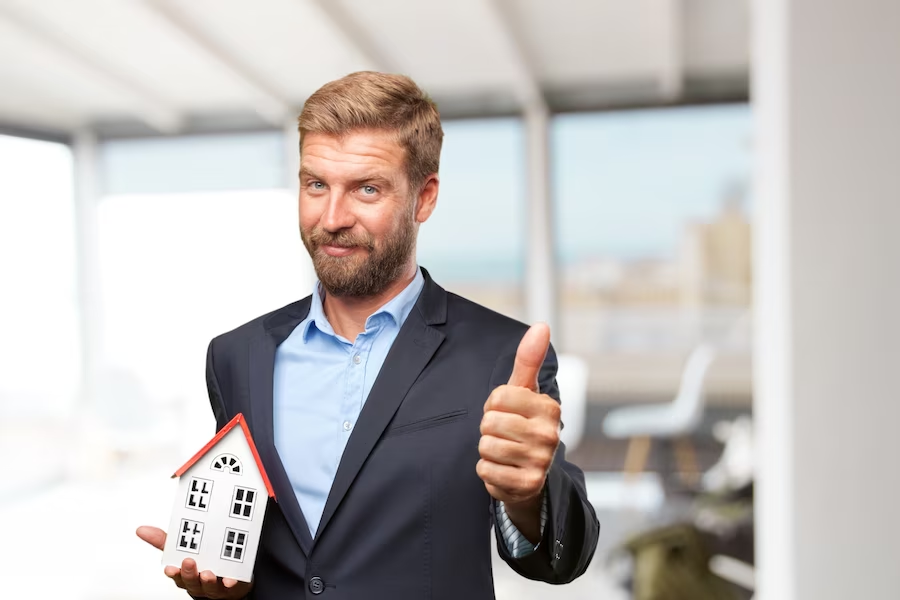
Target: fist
[(520, 428)]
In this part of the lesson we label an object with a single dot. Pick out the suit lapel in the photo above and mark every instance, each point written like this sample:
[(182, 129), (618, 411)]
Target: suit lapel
[(262, 370), (416, 343)]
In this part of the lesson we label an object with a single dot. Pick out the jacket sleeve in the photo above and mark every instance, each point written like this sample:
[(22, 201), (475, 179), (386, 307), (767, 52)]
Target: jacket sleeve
[(216, 401), (570, 537)]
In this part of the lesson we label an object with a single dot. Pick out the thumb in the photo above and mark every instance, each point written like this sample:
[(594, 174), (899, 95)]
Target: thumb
[(530, 356), (152, 535)]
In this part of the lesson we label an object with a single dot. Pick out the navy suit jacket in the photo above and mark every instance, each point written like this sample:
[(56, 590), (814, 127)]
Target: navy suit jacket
[(407, 516)]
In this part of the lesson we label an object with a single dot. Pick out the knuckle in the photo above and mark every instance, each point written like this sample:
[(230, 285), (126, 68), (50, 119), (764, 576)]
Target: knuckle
[(541, 458), (485, 445), (548, 436), (554, 410), (489, 423), (500, 397)]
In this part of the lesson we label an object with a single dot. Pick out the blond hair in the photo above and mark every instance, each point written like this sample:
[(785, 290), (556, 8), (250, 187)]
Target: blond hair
[(371, 100)]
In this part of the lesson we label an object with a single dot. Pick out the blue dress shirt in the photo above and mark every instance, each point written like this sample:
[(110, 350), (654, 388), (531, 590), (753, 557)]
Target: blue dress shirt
[(321, 382)]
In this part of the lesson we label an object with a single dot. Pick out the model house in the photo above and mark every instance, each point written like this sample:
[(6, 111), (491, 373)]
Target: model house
[(220, 505)]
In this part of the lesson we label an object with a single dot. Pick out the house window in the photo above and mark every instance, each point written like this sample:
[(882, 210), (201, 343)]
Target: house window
[(235, 544), (198, 494), (242, 503), (229, 463), (189, 535)]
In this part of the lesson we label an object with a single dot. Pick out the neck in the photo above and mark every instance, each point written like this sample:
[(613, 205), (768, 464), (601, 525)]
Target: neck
[(347, 315)]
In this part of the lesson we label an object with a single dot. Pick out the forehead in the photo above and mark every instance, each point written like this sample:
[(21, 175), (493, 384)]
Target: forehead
[(352, 153)]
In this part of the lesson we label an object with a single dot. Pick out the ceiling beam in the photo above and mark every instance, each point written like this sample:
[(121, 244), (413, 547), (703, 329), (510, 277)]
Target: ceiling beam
[(526, 87), (671, 73), (149, 107), (268, 102), (355, 35)]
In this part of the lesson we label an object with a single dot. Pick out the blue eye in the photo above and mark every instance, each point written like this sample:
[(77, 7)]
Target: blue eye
[(317, 185), (368, 190)]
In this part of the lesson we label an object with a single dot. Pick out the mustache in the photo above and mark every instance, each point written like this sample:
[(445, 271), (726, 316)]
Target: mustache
[(342, 239)]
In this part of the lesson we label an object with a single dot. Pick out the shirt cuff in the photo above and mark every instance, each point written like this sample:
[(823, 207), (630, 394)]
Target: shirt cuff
[(516, 543)]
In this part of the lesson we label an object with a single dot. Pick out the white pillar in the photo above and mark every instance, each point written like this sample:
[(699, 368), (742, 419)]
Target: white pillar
[(305, 271), (540, 265), (90, 311), (826, 91)]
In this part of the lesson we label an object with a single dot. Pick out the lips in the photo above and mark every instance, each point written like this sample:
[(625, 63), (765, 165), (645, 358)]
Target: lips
[(337, 250)]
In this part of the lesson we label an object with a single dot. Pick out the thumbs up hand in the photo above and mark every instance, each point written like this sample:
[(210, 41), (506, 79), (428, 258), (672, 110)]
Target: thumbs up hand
[(519, 435)]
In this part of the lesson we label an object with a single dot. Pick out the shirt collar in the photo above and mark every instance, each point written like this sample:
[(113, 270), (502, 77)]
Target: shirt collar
[(397, 308)]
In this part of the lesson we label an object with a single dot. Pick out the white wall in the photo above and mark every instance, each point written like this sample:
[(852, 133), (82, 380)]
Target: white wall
[(827, 101)]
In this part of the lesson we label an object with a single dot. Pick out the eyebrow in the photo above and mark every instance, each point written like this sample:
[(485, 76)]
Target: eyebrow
[(305, 172)]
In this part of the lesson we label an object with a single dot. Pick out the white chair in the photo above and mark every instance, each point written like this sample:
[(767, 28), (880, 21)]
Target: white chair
[(675, 420), (572, 379)]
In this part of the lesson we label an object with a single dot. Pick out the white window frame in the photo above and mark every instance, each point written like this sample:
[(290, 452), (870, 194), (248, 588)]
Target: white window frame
[(204, 496), (189, 532), (229, 548), (243, 503)]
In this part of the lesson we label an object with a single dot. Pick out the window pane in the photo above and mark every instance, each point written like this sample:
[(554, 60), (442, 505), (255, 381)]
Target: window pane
[(38, 320), (473, 244), (200, 264), (653, 212)]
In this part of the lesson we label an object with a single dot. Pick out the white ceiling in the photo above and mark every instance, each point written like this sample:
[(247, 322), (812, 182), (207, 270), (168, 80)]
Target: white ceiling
[(168, 66)]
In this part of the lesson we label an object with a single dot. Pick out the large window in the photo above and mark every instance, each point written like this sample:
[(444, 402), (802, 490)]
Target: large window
[(39, 344), (180, 269), (653, 229), (474, 242)]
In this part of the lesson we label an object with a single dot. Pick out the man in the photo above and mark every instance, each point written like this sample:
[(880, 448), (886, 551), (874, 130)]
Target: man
[(396, 421)]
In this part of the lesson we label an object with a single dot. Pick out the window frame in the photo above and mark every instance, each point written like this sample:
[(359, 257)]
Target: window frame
[(191, 492), (243, 503), (235, 545)]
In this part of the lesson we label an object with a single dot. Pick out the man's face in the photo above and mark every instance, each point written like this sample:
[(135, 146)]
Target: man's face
[(358, 217)]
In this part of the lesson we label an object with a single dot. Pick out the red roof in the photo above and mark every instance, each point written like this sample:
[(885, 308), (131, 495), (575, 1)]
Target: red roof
[(238, 419)]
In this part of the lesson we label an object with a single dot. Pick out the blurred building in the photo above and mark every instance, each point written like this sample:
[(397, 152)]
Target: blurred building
[(715, 259)]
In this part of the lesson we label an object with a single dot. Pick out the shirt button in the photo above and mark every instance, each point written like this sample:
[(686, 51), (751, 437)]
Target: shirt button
[(348, 425), (357, 359)]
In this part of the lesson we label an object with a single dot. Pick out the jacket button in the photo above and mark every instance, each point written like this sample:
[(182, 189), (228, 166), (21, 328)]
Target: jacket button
[(316, 585)]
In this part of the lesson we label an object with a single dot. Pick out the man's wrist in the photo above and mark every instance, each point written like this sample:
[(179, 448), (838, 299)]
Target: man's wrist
[(526, 516)]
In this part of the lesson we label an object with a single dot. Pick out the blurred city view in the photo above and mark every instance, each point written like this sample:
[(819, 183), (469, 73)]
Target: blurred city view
[(653, 241)]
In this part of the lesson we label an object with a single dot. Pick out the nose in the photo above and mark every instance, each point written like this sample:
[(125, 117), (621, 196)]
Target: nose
[(338, 214)]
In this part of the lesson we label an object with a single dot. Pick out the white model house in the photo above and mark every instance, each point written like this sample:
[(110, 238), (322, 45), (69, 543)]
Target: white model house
[(220, 505)]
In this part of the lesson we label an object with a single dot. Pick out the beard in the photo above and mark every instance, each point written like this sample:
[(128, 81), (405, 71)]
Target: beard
[(360, 276)]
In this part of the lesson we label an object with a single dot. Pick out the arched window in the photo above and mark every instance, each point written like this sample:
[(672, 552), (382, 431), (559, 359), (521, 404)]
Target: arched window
[(228, 463)]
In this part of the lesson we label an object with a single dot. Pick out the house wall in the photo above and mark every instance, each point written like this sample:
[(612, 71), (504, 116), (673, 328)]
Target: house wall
[(217, 517)]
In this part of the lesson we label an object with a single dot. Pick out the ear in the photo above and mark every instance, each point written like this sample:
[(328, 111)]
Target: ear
[(427, 199)]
